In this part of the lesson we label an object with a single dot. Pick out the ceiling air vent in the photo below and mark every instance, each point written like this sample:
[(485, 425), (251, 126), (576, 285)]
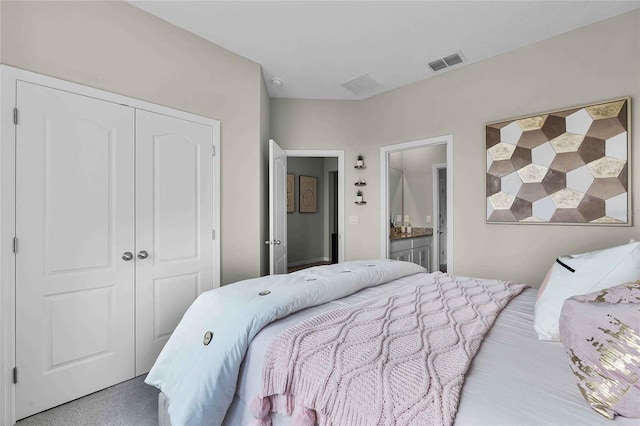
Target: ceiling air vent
[(446, 62), (454, 59), (362, 85), (438, 65)]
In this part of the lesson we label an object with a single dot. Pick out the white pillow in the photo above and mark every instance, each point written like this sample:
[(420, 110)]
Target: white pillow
[(593, 271)]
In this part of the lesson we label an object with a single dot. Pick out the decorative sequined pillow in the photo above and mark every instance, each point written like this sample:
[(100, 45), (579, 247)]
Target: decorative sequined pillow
[(601, 334)]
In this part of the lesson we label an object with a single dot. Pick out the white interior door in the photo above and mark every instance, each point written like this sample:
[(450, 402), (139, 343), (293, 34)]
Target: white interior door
[(74, 222), (277, 209), (174, 226)]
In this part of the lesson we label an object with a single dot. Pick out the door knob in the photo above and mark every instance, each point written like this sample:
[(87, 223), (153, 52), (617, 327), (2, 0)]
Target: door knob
[(267, 242), (127, 256), (142, 254), (277, 242)]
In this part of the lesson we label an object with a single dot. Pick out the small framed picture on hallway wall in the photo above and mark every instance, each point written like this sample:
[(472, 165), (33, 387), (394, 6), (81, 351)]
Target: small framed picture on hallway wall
[(291, 193), (308, 194)]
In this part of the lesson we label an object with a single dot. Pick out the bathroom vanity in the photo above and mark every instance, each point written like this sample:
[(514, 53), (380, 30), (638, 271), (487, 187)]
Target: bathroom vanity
[(414, 247)]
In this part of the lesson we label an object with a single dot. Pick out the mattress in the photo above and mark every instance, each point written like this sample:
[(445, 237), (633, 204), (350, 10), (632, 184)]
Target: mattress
[(515, 379)]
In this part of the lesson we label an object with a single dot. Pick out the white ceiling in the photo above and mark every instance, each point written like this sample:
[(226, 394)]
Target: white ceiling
[(315, 46)]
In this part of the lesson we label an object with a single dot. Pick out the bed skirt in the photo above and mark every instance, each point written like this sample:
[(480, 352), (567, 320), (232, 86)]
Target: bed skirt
[(163, 410)]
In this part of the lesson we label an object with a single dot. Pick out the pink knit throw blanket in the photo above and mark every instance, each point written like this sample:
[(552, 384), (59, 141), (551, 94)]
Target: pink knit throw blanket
[(396, 359)]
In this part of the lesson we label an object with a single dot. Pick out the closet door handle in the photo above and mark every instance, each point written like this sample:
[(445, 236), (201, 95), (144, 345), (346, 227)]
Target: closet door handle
[(127, 256), (142, 254)]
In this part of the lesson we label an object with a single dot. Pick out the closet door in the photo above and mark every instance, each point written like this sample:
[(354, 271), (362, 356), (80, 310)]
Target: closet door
[(174, 225), (74, 222)]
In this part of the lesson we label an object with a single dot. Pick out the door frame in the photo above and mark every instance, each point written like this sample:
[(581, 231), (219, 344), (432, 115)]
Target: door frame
[(9, 76), (436, 214), (340, 155), (446, 140)]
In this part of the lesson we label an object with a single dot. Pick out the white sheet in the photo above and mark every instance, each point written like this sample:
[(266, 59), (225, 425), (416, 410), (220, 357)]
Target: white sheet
[(514, 380)]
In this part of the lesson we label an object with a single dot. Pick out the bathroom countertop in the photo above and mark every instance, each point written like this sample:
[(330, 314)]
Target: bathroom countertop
[(415, 233)]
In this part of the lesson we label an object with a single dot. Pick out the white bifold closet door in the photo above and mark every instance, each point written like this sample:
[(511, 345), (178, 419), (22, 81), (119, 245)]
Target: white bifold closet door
[(74, 210), (114, 219), (174, 226)]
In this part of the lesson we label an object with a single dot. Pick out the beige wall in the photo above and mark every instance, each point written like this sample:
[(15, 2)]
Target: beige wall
[(328, 125), (117, 47), (595, 63)]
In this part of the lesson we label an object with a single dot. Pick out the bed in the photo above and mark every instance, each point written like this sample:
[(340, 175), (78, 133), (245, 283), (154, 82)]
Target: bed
[(514, 379)]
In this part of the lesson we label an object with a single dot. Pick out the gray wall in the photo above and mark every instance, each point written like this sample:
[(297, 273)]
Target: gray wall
[(119, 48), (265, 130), (594, 63), (306, 231), (0, 31), (330, 197)]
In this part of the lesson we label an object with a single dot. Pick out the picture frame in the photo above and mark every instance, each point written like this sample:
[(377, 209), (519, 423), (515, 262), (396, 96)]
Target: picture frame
[(565, 167), (291, 193), (308, 194)]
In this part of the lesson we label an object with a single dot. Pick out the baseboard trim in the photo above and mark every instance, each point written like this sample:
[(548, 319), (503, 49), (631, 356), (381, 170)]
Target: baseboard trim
[(307, 261)]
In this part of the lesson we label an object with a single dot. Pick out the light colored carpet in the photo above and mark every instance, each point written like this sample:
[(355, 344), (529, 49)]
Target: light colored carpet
[(131, 403)]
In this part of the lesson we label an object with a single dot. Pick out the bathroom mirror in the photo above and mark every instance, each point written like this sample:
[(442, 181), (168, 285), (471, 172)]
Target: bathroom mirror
[(396, 196), (417, 187)]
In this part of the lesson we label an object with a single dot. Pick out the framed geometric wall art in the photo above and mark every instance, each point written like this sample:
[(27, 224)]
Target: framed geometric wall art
[(562, 167)]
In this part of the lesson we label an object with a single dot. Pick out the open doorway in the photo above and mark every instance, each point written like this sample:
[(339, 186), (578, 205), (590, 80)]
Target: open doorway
[(333, 214), (314, 224), (310, 216), (417, 200), (440, 217)]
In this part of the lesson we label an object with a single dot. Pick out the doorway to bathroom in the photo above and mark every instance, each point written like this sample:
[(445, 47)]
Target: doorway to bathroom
[(417, 200)]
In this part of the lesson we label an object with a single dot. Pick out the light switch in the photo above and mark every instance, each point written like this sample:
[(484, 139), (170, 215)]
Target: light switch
[(353, 220), (406, 218), (428, 219)]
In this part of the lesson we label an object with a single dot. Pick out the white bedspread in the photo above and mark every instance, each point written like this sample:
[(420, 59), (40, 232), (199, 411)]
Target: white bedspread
[(514, 380), (200, 380)]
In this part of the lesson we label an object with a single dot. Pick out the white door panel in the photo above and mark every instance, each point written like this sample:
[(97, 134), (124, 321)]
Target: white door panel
[(74, 211), (176, 173), (277, 209), (174, 225)]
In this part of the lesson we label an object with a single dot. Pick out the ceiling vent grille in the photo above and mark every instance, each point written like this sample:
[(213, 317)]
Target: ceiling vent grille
[(446, 62), (362, 85), (438, 65)]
